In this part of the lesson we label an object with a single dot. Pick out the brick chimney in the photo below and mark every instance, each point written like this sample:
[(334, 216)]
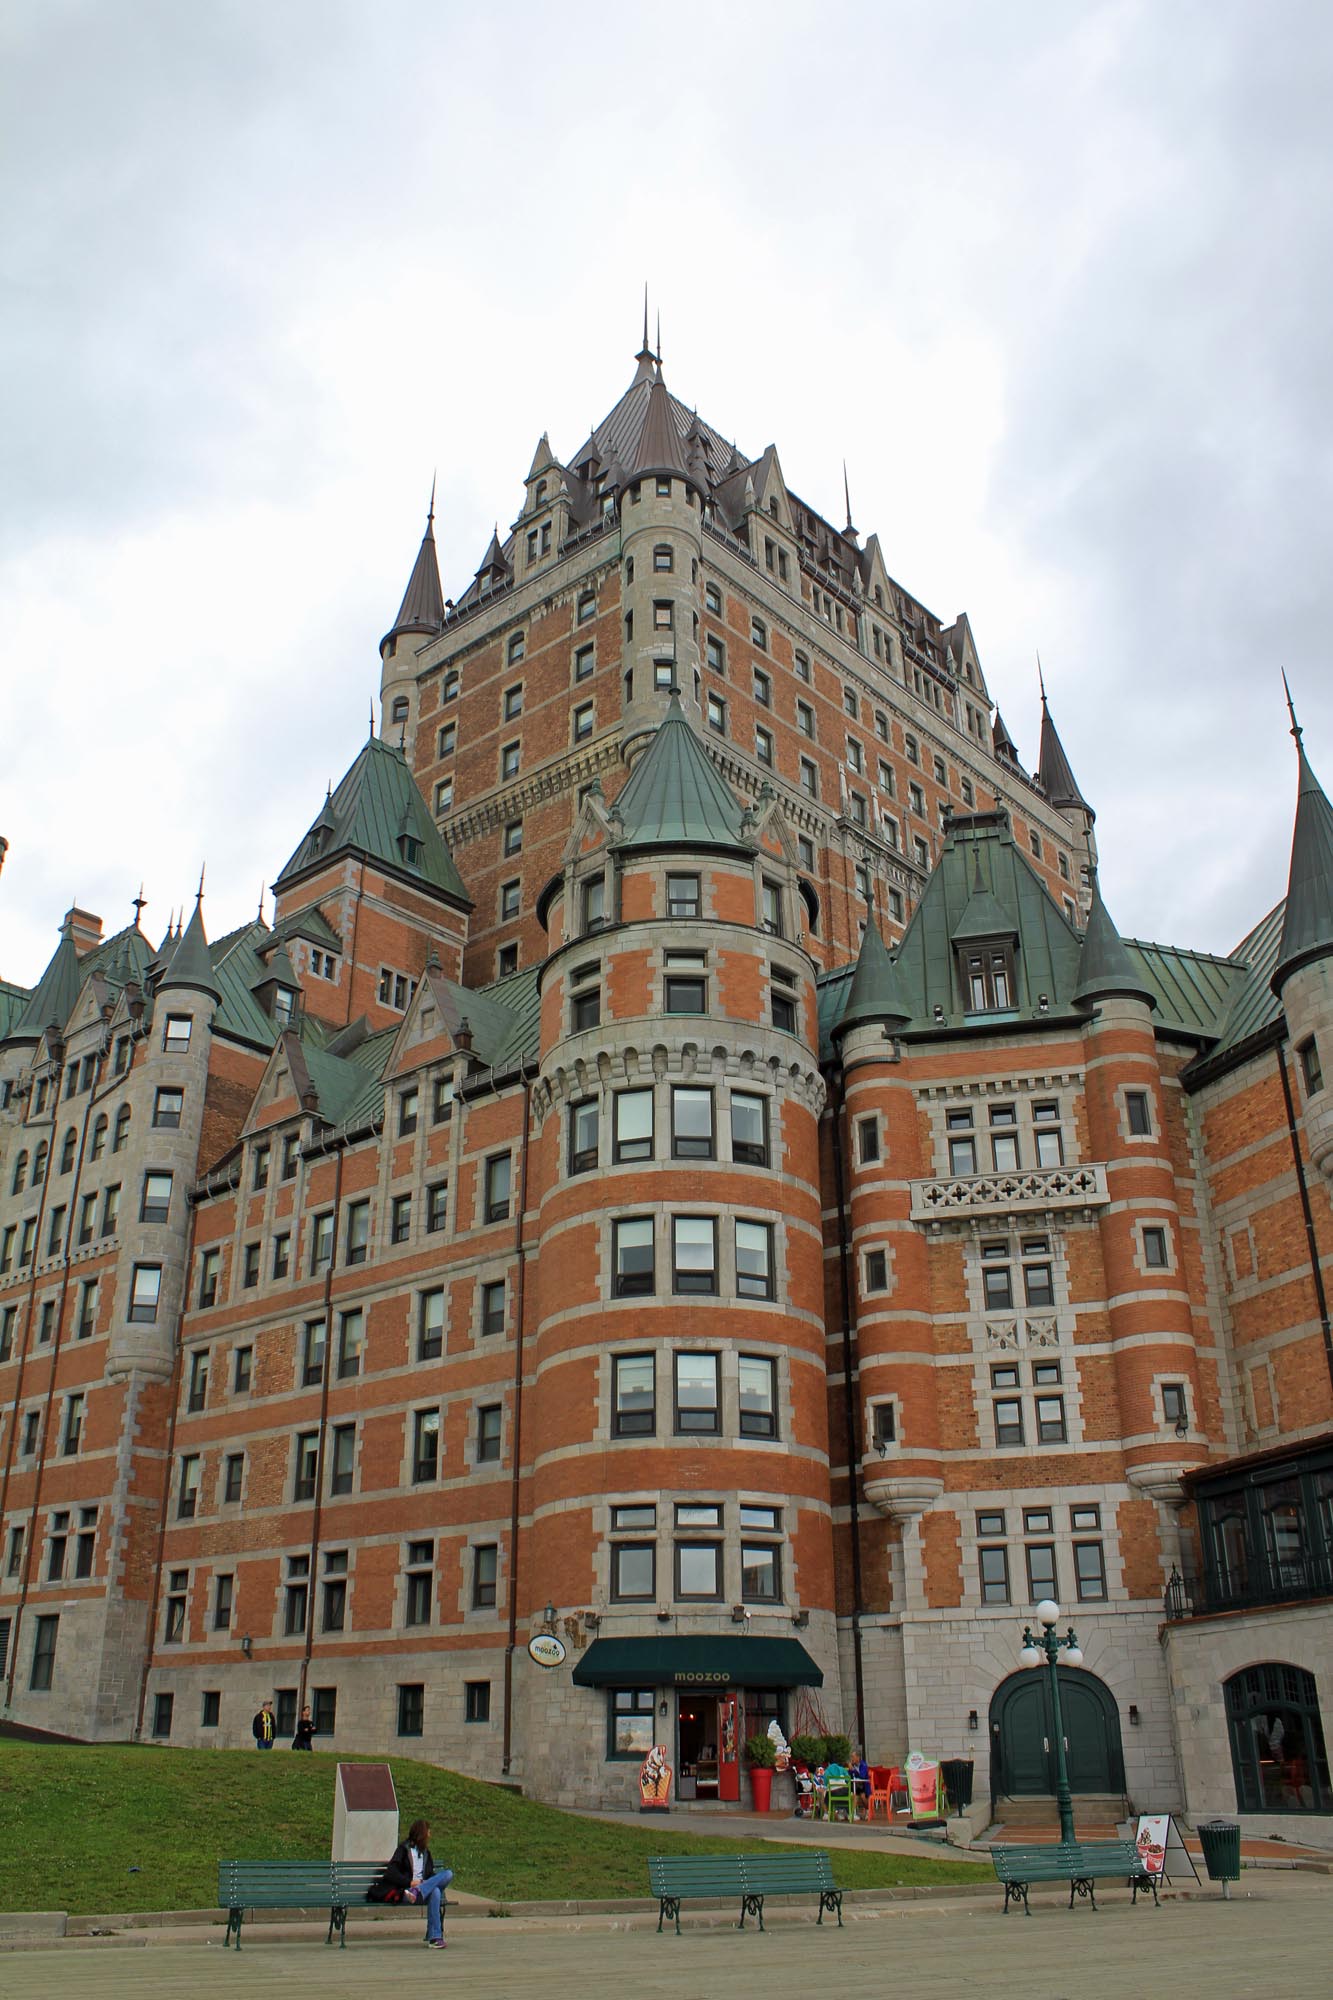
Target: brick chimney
[(84, 928)]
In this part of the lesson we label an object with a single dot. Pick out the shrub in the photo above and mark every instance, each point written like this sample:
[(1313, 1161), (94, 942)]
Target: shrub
[(808, 1750), (838, 1750), (762, 1750)]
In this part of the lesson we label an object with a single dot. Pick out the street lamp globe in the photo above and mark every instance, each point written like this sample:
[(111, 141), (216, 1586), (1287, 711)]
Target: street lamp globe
[(1030, 1656), (1074, 1656), (1048, 1611)]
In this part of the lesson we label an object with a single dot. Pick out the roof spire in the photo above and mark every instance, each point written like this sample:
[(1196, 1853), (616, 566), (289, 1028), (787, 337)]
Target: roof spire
[(1307, 921), (1040, 680), (1296, 729), (199, 893), (847, 498), (1053, 769), (138, 904), (1105, 967), (262, 887), (659, 336), (647, 360), (430, 511), (422, 608)]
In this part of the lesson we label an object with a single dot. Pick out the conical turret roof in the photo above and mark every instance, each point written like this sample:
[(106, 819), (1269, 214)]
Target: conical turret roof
[(1053, 773), (422, 608), (676, 797), (1307, 924), (190, 964), (660, 447), (52, 999), (1105, 967), (366, 810), (876, 992)]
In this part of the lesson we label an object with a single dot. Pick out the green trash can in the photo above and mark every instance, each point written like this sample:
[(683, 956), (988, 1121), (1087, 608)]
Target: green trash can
[(1220, 1839)]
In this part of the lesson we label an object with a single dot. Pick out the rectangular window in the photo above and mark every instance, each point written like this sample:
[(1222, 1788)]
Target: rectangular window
[(420, 1575), (867, 1140), (782, 1009), (512, 842), (583, 1135), (683, 896), (876, 1269), (761, 1573), (351, 1342), (210, 1708), (499, 1173), (437, 1207), (409, 1107), (307, 1462), (342, 1458), (1175, 1404), (758, 1396), (425, 1446), (187, 1488), (763, 747), (1050, 1146), (488, 1433), (442, 1098), (994, 1564), (697, 1403), (691, 1124), (476, 1701), (324, 1710), (155, 1201), (698, 1570), (715, 714), (241, 1365), (1312, 1070), (585, 659), (1051, 1420), (1090, 1572), (250, 1265), (1138, 1113), (223, 1591), (749, 1128), (1154, 1248), (633, 1572), (282, 1254), (809, 777), (634, 1519), (87, 1319), (312, 1352), (210, 1264), (198, 1391), (693, 1253), (715, 654), (400, 1218), (411, 1708), (358, 1232), (754, 1260), (485, 1575), (633, 1395), (805, 719), (632, 1253), (163, 1709), (493, 1307), (431, 1327), (1008, 1420), (885, 1423), (233, 1477), (1041, 1571), (167, 1107), (321, 1243), (145, 1291), (633, 1125)]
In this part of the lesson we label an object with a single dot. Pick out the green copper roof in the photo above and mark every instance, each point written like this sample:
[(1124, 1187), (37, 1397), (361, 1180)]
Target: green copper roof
[(1307, 927), (875, 993), (13, 1000), (310, 924), (1105, 967), (1192, 989), (981, 848), (370, 808), (1253, 1006), (983, 917), (676, 797), (276, 968), (190, 964), (54, 995)]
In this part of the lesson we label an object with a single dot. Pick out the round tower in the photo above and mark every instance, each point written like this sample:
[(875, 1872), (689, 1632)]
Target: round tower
[(1303, 977), (678, 1420), (661, 535), (420, 618)]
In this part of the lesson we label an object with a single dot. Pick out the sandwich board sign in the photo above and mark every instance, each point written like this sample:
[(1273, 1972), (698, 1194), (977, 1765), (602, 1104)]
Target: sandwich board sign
[(1157, 1838)]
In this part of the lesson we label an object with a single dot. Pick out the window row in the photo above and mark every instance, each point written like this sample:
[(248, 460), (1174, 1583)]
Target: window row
[(1044, 1141), (685, 975), (323, 1706), (1087, 1559), (694, 1263), (696, 1395), (327, 1607), (623, 1127)]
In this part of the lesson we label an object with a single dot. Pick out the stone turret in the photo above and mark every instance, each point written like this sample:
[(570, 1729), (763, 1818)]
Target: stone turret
[(1303, 978)]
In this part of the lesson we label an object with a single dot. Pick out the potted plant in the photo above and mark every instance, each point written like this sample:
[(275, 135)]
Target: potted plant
[(808, 1750), (838, 1750), (762, 1754)]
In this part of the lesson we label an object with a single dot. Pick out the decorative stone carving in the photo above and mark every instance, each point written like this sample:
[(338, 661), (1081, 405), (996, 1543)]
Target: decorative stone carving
[(1041, 1188), (901, 1499)]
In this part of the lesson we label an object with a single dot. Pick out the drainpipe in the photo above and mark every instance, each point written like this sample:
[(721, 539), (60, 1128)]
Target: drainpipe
[(520, 1295), (1316, 1274), (851, 1409)]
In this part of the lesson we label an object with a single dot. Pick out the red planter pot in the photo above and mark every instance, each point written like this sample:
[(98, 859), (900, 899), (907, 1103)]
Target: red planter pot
[(761, 1786)]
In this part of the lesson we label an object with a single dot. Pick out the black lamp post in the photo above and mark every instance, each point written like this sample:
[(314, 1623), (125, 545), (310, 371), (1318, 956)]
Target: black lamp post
[(1046, 1646)]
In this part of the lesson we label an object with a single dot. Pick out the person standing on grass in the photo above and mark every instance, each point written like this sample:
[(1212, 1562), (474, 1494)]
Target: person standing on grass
[(412, 1877), (263, 1728), (305, 1729)]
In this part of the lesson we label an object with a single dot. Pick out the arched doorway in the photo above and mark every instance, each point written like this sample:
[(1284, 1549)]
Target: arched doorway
[(1277, 1740), (1022, 1735)]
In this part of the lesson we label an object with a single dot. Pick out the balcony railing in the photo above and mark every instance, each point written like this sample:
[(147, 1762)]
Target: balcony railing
[(1031, 1192), (1266, 1581)]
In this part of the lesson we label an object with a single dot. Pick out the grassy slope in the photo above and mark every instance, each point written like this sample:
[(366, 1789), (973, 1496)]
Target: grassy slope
[(124, 1827)]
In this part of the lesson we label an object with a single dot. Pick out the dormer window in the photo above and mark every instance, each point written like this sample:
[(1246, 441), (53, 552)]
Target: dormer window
[(284, 1004), (410, 849), (988, 978), (540, 494)]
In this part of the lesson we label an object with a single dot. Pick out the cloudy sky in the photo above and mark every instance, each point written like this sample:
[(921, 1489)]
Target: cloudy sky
[(1054, 279)]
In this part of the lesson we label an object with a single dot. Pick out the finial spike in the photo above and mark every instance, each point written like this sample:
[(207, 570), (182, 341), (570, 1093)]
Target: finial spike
[(199, 892), (262, 888), (847, 497), (1040, 681), (372, 718), (659, 336), (645, 315), (430, 511), (1296, 729), (138, 904)]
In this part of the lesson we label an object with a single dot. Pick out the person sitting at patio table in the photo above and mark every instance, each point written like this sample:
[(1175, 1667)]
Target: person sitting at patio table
[(861, 1785), (838, 1789)]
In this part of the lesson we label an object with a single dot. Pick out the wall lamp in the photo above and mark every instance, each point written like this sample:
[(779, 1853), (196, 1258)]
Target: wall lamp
[(1182, 1427), (247, 1645), (972, 1721), (800, 1619), (662, 1706), (662, 1614), (548, 1616), (1133, 1716), (592, 1618), (739, 1614)]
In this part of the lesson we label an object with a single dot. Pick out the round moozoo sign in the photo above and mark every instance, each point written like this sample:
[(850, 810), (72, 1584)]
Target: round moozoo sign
[(546, 1649)]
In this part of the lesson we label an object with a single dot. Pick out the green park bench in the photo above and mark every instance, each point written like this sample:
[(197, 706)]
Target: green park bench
[(675, 1879), (1079, 1862), (294, 1885)]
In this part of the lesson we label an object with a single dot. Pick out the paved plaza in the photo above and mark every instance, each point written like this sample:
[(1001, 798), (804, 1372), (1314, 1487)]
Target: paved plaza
[(1273, 1939)]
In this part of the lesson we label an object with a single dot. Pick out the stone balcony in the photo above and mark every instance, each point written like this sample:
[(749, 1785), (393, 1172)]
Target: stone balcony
[(1037, 1191)]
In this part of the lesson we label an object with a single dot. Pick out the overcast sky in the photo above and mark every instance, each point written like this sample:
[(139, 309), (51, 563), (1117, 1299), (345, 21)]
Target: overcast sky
[(1054, 279)]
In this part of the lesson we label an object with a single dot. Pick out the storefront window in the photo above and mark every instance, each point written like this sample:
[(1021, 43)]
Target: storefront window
[(630, 1715), (1277, 1740)]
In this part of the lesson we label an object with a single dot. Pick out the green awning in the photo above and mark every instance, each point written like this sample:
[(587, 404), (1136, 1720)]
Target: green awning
[(708, 1660)]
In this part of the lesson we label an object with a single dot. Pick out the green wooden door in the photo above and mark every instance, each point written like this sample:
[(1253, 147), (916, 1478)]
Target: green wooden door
[(1023, 1735)]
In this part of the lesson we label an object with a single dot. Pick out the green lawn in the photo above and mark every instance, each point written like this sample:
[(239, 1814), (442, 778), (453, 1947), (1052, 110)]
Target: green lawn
[(108, 1827)]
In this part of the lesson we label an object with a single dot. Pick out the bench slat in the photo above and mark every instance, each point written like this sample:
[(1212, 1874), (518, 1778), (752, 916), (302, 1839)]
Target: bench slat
[(675, 1879)]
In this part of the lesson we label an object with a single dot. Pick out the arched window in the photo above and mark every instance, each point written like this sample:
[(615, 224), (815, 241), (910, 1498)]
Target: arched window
[(1277, 1740), (67, 1146), (39, 1162), (540, 494), (122, 1131), (98, 1144), (20, 1174)]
